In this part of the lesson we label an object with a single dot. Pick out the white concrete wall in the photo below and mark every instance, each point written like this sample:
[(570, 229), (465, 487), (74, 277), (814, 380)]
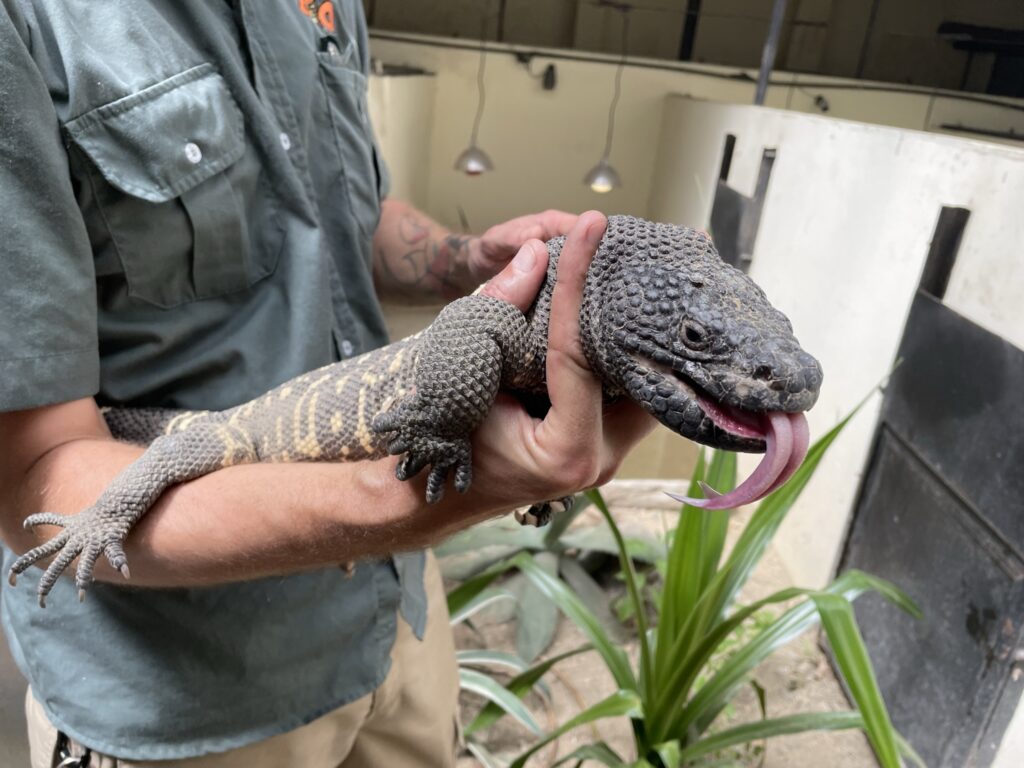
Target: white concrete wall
[(843, 238), (402, 108), (1012, 746), (987, 284), (844, 234)]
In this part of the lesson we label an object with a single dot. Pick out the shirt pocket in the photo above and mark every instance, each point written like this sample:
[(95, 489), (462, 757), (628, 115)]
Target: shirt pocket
[(362, 170), (173, 191)]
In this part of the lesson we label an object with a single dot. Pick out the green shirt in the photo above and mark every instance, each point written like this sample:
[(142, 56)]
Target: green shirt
[(189, 189)]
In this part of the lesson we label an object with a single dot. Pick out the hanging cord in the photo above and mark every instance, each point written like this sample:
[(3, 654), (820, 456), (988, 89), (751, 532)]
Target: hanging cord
[(480, 82), (624, 10)]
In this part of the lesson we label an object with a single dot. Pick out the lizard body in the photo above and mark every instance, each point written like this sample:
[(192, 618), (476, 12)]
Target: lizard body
[(663, 321)]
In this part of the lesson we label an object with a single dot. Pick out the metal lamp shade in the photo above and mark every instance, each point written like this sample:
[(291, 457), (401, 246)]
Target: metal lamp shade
[(473, 161), (602, 178)]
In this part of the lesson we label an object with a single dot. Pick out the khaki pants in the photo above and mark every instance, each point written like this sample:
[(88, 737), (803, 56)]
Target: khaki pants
[(410, 720)]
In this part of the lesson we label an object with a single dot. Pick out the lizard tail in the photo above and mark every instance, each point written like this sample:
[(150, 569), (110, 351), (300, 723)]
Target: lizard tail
[(141, 425)]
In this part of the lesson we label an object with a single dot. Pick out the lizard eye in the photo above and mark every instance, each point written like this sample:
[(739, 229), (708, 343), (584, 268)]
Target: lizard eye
[(694, 335)]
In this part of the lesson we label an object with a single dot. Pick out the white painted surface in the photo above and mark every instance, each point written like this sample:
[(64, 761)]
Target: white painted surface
[(844, 234), (1011, 750), (402, 108)]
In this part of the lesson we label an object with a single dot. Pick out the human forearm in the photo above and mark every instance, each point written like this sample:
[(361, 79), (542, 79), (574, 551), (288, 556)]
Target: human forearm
[(415, 258), (238, 523), (307, 515)]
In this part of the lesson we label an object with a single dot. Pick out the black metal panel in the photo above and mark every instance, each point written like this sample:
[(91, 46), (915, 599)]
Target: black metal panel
[(938, 267), (735, 218), (958, 397), (941, 513), (942, 676), (726, 219)]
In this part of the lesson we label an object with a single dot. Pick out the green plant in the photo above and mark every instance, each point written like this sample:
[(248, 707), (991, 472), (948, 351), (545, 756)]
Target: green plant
[(691, 664), (553, 549), (464, 601)]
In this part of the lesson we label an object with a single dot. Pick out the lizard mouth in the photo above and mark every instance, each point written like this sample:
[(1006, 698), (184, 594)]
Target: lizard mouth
[(784, 435)]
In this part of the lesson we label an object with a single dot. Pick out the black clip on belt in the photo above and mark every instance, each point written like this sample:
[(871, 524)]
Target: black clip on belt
[(62, 757)]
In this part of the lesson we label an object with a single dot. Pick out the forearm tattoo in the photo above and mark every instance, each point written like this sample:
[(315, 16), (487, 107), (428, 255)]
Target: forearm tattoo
[(424, 265)]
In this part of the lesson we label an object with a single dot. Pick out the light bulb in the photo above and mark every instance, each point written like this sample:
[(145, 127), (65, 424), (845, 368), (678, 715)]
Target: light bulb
[(473, 161), (602, 178)]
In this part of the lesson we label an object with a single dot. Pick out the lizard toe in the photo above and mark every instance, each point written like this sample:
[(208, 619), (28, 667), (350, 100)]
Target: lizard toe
[(36, 554), (44, 518), (540, 514), (116, 557), (70, 551), (411, 465), (399, 446), (537, 516), (463, 476), (88, 534), (83, 574), (435, 483)]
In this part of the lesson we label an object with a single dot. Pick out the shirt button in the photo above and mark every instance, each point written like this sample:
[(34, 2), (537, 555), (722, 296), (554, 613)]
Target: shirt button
[(286, 142), (193, 153), (346, 348)]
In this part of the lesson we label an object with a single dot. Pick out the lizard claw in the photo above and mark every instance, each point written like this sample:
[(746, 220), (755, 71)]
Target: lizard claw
[(540, 514), (86, 536), (421, 444)]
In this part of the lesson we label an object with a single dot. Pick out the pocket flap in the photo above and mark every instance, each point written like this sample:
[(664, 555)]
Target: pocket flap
[(164, 140)]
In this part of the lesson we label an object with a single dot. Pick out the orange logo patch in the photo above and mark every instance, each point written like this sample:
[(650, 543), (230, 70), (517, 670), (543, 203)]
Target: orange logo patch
[(321, 11), (325, 15)]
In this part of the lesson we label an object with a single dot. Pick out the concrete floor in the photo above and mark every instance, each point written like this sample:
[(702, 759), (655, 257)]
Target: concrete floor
[(13, 745)]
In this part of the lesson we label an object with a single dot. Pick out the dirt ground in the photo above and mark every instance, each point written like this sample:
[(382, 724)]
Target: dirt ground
[(797, 678)]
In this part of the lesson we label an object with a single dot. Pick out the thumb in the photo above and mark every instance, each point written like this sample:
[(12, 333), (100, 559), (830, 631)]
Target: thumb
[(519, 282)]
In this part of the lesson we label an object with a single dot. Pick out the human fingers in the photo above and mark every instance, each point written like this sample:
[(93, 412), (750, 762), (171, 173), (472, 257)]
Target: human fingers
[(508, 236), (544, 226), (574, 392), (554, 223), (548, 224), (522, 277)]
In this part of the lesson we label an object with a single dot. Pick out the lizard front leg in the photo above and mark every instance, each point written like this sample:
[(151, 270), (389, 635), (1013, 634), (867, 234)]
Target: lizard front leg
[(102, 528), (463, 358)]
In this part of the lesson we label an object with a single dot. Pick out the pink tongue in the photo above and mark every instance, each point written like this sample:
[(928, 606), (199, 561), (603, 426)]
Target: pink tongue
[(801, 441), (787, 437)]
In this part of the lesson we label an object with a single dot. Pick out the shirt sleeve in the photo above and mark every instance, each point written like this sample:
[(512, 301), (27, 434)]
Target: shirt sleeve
[(48, 334)]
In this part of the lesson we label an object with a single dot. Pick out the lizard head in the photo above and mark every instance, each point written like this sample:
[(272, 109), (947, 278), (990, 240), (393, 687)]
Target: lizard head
[(697, 344)]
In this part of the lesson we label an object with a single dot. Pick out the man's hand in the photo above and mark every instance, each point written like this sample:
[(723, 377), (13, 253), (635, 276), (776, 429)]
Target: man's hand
[(417, 259), (519, 459), (489, 253)]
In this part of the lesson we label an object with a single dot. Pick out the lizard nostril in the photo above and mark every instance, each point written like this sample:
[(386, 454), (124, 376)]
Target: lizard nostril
[(763, 372)]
